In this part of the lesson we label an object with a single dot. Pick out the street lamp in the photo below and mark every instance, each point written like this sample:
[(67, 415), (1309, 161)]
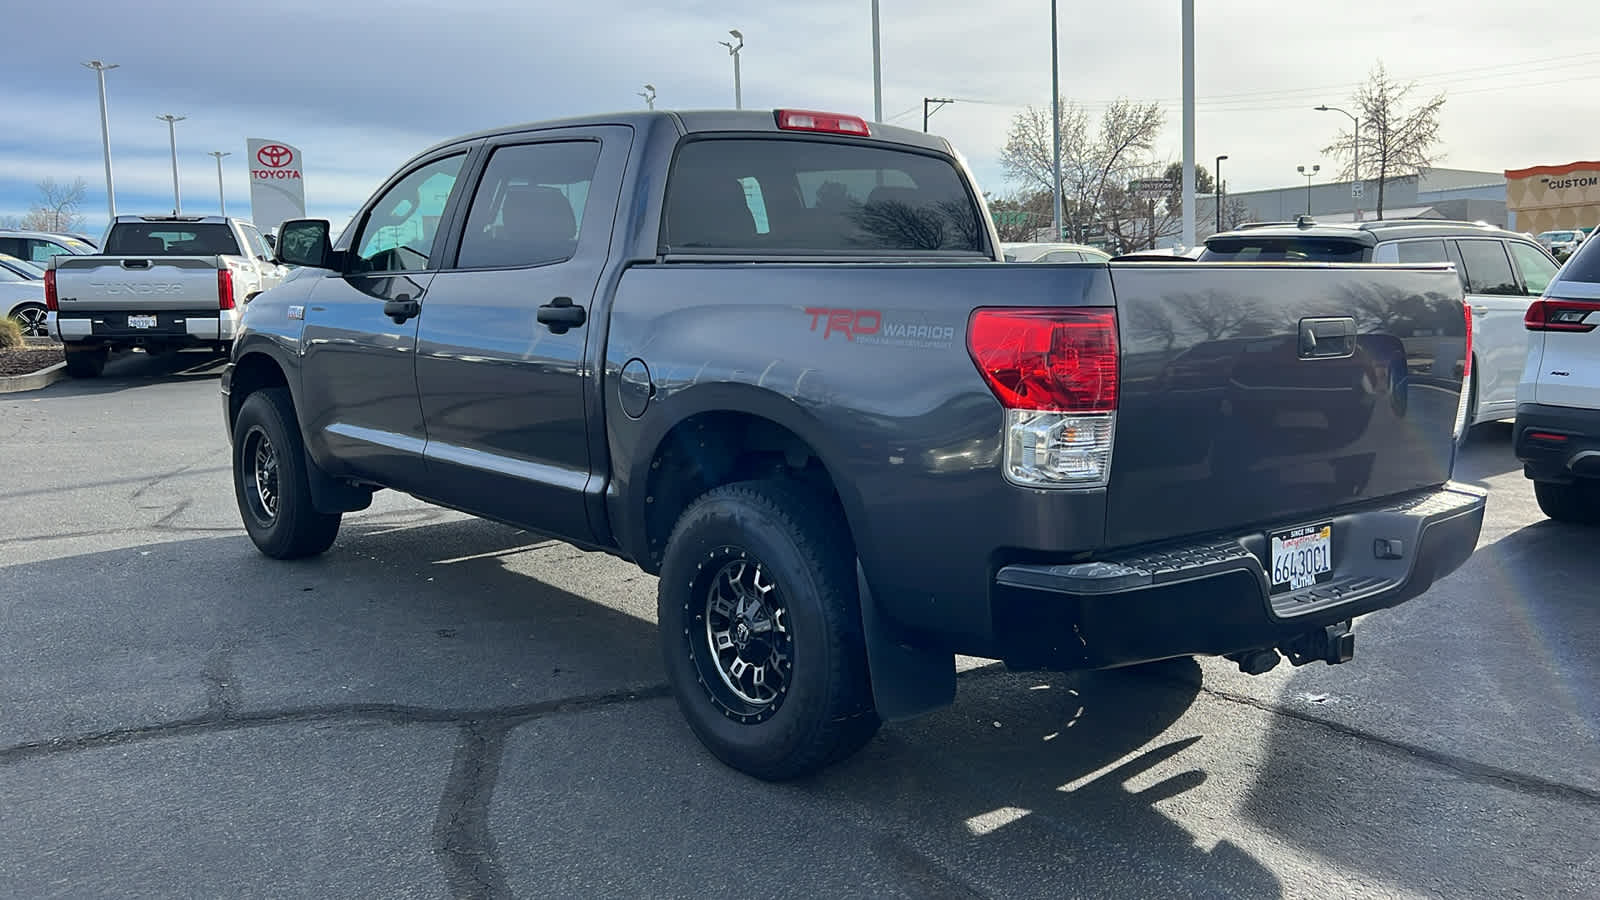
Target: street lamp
[(100, 69), (1355, 154), (733, 51), (927, 112), (877, 70), (1309, 175), (172, 134), (649, 95), (222, 200), (1055, 119), (1216, 177)]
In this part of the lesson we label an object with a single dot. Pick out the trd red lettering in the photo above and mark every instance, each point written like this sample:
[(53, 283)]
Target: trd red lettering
[(840, 319), (864, 316), (815, 312)]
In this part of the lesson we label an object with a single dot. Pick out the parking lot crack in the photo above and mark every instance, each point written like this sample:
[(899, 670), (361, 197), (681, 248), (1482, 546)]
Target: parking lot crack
[(461, 831), (222, 686)]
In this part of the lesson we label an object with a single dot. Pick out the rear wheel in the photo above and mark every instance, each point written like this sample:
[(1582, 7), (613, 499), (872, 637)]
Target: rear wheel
[(34, 319), (271, 483), (86, 362), (1577, 502), (760, 624), (1472, 410)]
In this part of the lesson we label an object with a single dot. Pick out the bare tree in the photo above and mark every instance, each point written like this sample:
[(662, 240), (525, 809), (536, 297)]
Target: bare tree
[(1096, 163), (57, 207), (1020, 216), (1397, 138)]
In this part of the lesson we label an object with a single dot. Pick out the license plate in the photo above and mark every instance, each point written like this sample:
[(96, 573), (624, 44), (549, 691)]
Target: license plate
[(1301, 557), (141, 321)]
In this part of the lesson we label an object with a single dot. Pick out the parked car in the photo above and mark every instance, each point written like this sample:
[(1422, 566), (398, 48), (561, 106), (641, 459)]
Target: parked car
[(1044, 252), (1561, 243), (22, 296), (164, 283), (39, 246), (1501, 272), (776, 359), (1557, 435)]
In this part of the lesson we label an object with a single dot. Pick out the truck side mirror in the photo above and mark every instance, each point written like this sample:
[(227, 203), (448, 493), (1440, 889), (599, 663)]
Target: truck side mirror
[(304, 242)]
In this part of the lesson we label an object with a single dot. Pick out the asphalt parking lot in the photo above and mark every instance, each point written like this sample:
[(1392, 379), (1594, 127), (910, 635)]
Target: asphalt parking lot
[(442, 707)]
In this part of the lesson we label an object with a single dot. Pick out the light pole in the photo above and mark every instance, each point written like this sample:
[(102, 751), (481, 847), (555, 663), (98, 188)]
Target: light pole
[(877, 70), (1055, 120), (1216, 178), (649, 95), (733, 51), (172, 135), (100, 69), (1355, 156), (926, 112), (1188, 124), (1309, 175), (222, 200)]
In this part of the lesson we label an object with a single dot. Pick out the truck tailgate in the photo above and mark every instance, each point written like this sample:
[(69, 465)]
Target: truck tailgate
[(146, 284), (1262, 395)]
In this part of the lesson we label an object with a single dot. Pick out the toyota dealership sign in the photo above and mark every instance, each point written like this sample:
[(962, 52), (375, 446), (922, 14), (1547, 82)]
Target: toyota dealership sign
[(277, 183)]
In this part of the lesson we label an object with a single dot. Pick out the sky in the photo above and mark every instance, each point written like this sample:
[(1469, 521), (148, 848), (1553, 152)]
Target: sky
[(362, 85)]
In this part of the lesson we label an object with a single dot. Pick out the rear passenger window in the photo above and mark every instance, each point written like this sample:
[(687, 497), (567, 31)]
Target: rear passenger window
[(1536, 268), (529, 207), (1417, 252), (1584, 264), (804, 196), (1488, 270)]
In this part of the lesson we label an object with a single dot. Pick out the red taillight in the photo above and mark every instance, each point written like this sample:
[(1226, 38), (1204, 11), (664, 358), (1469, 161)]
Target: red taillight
[(1547, 436), (51, 302), (224, 288), (1466, 367), (1055, 360), (831, 123), (1550, 314)]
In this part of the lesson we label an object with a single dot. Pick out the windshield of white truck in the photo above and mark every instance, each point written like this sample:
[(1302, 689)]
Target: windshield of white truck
[(167, 239), (816, 197)]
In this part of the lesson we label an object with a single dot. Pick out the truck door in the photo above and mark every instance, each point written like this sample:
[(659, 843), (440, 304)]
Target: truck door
[(358, 404), (500, 357)]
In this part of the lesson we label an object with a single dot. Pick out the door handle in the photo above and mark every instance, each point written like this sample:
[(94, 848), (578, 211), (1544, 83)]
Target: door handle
[(560, 314), (1479, 311), (401, 309), (1327, 338)]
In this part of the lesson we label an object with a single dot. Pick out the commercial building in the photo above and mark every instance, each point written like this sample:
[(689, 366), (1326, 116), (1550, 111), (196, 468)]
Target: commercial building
[(1437, 193), (1555, 198)]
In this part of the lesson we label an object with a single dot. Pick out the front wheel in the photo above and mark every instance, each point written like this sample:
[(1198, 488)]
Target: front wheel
[(760, 625), (1577, 502), (271, 483)]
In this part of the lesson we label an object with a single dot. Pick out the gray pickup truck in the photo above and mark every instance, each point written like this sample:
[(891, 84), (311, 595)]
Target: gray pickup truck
[(776, 359), (162, 283)]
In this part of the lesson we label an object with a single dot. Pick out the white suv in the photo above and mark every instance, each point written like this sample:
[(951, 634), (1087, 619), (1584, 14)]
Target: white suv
[(1558, 399)]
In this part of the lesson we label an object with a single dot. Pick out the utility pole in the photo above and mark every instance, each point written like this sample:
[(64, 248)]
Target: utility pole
[(1188, 124), (172, 134), (733, 51), (222, 200), (1055, 119), (1216, 178), (942, 101), (877, 71), (649, 95), (100, 70)]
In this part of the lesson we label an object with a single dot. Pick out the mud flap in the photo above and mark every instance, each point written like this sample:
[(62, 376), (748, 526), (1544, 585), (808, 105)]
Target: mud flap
[(906, 681), (329, 495)]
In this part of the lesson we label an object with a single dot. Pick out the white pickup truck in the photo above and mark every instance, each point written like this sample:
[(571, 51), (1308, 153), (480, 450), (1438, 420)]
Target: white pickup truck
[(162, 283)]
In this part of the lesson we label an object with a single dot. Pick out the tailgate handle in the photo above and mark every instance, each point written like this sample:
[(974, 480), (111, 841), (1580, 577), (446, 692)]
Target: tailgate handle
[(1328, 338), (136, 264)]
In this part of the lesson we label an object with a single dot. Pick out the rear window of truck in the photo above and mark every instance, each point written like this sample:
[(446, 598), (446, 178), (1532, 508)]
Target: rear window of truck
[(1283, 249), (787, 195), (165, 239)]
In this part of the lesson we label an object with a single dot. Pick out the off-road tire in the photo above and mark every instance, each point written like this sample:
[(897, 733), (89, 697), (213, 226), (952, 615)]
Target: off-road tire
[(292, 528), (798, 537)]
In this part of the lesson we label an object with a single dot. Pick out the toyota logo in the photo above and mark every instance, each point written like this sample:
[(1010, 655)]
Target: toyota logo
[(275, 156)]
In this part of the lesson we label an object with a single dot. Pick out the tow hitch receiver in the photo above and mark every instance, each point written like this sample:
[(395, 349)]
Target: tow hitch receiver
[(1333, 644)]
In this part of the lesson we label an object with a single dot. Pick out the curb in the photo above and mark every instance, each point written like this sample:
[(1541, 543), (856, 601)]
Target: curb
[(12, 384)]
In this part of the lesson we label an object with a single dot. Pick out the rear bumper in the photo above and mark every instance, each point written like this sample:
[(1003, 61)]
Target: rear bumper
[(1213, 597), (195, 327), (1557, 443)]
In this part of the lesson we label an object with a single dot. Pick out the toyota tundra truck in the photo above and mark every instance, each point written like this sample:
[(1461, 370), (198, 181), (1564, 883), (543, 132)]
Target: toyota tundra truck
[(162, 283), (776, 359)]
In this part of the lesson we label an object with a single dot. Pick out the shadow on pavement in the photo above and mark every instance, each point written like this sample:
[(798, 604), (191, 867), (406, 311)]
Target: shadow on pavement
[(1486, 453), (1489, 679), (139, 369)]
